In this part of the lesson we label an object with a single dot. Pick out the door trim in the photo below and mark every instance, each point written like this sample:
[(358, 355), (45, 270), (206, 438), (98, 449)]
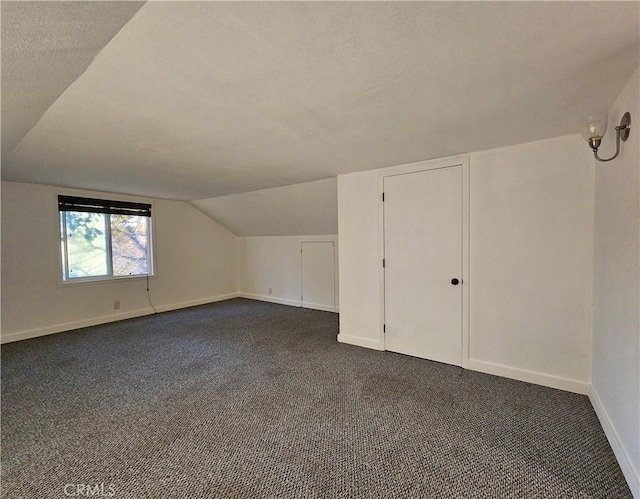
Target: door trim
[(421, 166)]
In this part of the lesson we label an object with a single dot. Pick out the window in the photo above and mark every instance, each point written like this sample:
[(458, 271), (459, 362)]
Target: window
[(102, 239)]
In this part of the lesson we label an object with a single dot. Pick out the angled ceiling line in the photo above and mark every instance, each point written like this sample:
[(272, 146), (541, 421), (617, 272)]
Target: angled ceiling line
[(120, 19)]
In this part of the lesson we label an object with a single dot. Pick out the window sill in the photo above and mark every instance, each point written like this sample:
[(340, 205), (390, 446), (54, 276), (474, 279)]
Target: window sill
[(101, 280)]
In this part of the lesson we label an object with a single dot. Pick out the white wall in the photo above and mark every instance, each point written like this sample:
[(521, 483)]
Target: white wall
[(530, 261), (616, 315), (361, 310), (531, 239), (275, 262), (196, 263)]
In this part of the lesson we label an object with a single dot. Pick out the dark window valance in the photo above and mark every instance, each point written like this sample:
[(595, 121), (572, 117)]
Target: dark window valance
[(92, 205)]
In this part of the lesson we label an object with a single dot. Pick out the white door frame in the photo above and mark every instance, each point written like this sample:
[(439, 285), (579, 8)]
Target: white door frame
[(420, 167)]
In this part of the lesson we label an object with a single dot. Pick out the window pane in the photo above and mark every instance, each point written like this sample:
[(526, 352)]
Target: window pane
[(86, 244), (129, 245)]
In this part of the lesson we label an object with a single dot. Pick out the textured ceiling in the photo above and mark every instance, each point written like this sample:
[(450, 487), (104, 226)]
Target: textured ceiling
[(193, 100), (45, 47), (301, 209)]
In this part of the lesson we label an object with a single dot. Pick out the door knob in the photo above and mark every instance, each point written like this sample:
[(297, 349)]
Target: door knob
[(455, 281)]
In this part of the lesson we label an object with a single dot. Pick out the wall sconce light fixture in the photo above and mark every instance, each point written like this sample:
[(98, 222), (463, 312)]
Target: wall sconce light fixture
[(595, 129)]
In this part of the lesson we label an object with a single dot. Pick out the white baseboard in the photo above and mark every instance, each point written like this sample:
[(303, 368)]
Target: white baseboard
[(567, 384), (291, 303), (318, 306), (195, 303), (105, 319), (271, 299), (361, 342), (626, 465)]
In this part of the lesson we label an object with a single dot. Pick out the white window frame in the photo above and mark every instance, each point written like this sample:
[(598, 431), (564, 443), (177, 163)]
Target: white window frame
[(60, 281)]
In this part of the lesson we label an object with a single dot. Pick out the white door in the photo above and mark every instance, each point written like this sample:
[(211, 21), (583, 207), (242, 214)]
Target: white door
[(423, 259), (318, 275)]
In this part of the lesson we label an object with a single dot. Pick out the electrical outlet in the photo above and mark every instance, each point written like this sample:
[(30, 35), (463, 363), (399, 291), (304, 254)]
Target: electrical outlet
[(270, 291), (116, 305)]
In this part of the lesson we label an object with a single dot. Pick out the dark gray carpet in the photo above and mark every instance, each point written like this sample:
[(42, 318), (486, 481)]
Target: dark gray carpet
[(244, 399)]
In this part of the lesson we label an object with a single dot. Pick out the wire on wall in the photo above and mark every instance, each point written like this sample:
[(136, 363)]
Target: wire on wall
[(149, 296)]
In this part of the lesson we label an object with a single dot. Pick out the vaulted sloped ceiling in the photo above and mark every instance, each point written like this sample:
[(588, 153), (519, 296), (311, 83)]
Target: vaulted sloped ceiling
[(195, 100), (300, 209), (46, 46)]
